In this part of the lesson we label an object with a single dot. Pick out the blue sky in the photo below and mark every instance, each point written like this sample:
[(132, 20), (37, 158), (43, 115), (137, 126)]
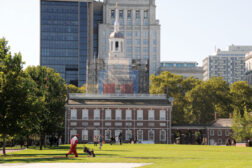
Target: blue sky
[(190, 29)]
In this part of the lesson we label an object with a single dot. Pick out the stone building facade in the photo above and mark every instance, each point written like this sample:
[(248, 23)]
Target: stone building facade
[(248, 64), (145, 118)]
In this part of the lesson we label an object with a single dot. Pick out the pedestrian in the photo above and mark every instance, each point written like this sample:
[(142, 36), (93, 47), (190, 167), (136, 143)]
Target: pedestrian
[(95, 140), (74, 142), (120, 138), (101, 141)]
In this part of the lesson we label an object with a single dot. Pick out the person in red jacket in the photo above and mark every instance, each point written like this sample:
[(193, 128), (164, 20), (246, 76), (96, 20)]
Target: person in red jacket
[(74, 142)]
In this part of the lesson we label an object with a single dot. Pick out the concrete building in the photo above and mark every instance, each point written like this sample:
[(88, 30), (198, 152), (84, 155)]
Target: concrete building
[(118, 78), (229, 64), (145, 118), (248, 63), (186, 69), (69, 37), (141, 31)]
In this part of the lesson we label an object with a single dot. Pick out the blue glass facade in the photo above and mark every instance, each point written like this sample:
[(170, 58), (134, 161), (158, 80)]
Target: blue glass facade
[(64, 39)]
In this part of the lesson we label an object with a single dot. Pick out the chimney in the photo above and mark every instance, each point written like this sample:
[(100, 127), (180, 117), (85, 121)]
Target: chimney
[(230, 115), (215, 115)]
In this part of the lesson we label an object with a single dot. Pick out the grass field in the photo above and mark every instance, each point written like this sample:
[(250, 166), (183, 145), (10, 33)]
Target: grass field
[(161, 156)]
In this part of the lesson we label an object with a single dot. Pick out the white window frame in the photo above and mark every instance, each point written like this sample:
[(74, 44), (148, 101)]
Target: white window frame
[(219, 141), (107, 135), (85, 114), (219, 132), (128, 114), (72, 133), (212, 132), (129, 135), (160, 137), (140, 135), (97, 133), (108, 114), (149, 135), (140, 115), (151, 115), (162, 114), (97, 114), (85, 135), (73, 114), (118, 114), (227, 132)]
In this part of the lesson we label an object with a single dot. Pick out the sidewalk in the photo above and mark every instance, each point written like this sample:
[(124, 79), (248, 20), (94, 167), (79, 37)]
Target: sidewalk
[(72, 165)]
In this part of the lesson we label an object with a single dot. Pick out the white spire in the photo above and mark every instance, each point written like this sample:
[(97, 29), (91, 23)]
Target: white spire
[(116, 24)]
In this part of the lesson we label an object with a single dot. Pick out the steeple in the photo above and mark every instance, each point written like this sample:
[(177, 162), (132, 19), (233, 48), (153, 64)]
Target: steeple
[(116, 24)]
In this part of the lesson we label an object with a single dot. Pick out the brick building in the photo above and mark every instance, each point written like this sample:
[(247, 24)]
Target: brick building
[(216, 133), (141, 117)]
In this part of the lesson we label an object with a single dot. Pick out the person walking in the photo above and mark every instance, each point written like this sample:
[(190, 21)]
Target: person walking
[(101, 141), (74, 142)]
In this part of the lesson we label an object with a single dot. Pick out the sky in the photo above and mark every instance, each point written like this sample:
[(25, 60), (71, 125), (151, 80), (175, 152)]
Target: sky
[(190, 29)]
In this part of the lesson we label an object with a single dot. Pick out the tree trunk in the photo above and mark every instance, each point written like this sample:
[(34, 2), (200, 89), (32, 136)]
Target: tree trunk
[(41, 141), (4, 144), (27, 141)]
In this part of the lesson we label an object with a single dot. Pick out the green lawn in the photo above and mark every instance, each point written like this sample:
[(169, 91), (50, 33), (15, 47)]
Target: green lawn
[(161, 156)]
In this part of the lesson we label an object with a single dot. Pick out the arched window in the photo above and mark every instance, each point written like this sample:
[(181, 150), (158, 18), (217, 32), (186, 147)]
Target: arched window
[(116, 45)]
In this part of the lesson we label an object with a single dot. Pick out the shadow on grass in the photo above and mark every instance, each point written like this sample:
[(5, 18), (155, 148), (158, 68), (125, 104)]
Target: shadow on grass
[(33, 160)]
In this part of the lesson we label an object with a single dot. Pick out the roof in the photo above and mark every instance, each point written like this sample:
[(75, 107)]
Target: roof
[(116, 35), (222, 123), (122, 100)]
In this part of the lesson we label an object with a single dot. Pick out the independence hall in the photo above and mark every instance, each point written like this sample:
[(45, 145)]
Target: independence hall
[(144, 118)]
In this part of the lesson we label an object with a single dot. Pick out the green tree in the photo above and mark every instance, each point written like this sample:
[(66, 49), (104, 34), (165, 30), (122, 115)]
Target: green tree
[(207, 98), (15, 89), (177, 88), (241, 94), (51, 95)]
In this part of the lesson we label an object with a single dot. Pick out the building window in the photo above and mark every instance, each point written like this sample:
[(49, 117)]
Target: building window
[(117, 133), (162, 115), (97, 133), (129, 34), (96, 114), (140, 135), (107, 123), (219, 132), (151, 135), (137, 34), (107, 114), (129, 14), (118, 124), (118, 114), (151, 115), (128, 115), (146, 14), (138, 14), (128, 135), (112, 14), (139, 114), (85, 114), (121, 14), (137, 41), (227, 132), (145, 42), (73, 114), (219, 141), (128, 124), (84, 135), (211, 132), (72, 133), (145, 33), (107, 135), (162, 135), (73, 124)]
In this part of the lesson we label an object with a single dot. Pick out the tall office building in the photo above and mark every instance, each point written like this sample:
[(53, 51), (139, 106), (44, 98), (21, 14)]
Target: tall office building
[(186, 69), (248, 63), (141, 31), (229, 64), (69, 37)]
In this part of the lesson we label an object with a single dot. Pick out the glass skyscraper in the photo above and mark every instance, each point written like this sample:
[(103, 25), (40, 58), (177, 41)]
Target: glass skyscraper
[(69, 37)]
